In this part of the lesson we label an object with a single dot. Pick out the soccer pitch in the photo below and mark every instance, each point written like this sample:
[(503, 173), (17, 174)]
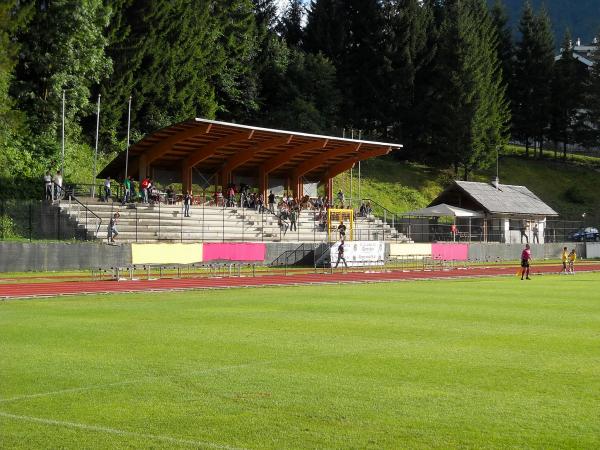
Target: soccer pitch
[(481, 363)]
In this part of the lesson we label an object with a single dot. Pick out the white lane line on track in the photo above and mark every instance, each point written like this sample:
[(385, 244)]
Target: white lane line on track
[(115, 431)]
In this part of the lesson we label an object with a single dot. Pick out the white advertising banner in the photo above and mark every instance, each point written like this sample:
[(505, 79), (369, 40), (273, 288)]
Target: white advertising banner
[(360, 253)]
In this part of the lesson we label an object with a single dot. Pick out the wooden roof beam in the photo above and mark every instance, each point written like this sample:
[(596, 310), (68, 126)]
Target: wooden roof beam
[(283, 158), (162, 147), (246, 155), (209, 149), (347, 164), (321, 159)]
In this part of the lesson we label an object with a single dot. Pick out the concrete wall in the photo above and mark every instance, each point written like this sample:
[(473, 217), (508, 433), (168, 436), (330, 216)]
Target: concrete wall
[(510, 252), (25, 257)]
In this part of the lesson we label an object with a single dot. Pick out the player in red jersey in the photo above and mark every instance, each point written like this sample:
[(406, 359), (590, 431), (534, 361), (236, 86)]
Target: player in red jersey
[(525, 259)]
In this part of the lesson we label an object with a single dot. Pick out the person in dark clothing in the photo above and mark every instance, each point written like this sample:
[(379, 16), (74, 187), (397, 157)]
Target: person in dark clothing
[(187, 201), (293, 218), (342, 230), (341, 255), (271, 201)]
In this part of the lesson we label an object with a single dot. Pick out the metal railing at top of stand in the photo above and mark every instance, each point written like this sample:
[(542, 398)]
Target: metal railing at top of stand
[(68, 193)]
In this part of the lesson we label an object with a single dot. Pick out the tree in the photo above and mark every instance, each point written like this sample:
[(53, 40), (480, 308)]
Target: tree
[(304, 96), (408, 52), (291, 23), (505, 46), (62, 48), (534, 63), (591, 116), (568, 82), (469, 105)]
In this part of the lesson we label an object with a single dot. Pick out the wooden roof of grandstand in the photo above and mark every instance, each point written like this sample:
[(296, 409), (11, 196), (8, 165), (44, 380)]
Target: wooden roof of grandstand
[(219, 147)]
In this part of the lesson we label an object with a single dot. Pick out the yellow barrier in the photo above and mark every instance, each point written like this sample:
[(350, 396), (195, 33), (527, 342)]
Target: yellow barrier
[(166, 253), (410, 250)]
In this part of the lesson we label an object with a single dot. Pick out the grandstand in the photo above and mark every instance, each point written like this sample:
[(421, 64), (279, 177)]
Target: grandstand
[(166, 223)]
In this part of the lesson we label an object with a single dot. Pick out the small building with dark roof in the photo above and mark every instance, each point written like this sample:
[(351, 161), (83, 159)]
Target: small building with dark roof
[(510, 213)]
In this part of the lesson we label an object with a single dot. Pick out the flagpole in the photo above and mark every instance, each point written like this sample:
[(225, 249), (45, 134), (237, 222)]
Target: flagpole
[(62, 161), (128, 129), (96, 149)]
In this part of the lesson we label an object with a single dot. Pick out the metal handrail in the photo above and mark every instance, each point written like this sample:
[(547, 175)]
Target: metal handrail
[(88, 210)]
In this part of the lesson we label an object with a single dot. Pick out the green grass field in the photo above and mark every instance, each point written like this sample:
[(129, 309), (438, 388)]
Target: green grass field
[(488, 363)]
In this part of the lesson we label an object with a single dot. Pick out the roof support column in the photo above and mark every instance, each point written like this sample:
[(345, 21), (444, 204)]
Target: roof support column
[(263, 184), (186, 178), (142, 167), (299, 187)]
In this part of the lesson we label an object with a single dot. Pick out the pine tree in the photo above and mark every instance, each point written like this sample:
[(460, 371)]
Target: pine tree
[(63, 48), (291, 23), (469, 107), (543, 66), (327, 30), (568, 81), (408, 52), (524, 85), (591, 116), (505, 42)]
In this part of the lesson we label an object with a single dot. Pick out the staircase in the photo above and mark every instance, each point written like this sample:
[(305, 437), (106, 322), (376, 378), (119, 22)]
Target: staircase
[(165, 223)]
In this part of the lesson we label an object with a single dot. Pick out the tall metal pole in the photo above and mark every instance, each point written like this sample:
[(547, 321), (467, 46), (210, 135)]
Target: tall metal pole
[(96, 149), (128, 129), (351, 192), (359, 197), (62, 162)]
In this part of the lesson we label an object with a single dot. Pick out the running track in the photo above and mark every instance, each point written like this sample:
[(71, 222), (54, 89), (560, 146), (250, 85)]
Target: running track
[(28, 290)]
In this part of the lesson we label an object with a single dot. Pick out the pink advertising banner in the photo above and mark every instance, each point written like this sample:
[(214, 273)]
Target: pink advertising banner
[(450, 252), (233, 251)]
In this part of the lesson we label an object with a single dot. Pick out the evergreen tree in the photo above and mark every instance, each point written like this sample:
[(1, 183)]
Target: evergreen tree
[(505, 42), (291, 23), (469, 106), (568, 83), (591, 117), (236, 82), (63, 48), (533, 66), (327, 30), (304, 96), (407, 52), (266, 14)]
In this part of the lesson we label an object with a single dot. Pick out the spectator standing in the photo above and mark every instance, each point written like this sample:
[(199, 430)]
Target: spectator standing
[(127, 190), (48, 186), (536, 234), (523, 231), (187, 201), (342, 230), (58, 182), (106, 189), (341, 198), (145, 185), (293, 218), (271, 202)]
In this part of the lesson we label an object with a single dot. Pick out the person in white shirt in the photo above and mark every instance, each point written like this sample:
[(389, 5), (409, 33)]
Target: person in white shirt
[(58, 181)]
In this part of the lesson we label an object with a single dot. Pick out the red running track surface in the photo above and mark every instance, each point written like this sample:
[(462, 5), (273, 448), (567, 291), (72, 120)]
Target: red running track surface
[(25, 290)]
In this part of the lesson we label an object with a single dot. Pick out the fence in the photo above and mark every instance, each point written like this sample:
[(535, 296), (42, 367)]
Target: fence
[(39, 220)]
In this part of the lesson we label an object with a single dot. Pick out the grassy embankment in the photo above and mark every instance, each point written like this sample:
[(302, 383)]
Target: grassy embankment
[(569, 187)]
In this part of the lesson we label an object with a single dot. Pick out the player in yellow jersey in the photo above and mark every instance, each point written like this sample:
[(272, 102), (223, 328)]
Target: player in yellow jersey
[(572, 258), (565, 258)]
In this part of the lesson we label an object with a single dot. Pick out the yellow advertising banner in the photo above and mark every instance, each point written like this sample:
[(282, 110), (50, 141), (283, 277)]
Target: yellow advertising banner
[(166, 253), (399, 250)]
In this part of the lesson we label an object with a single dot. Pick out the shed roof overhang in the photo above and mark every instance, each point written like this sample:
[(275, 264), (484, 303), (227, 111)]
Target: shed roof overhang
[(220, 147)]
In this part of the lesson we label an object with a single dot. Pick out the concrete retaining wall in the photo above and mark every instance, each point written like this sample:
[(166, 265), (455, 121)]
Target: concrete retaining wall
[(511, 252), (25, 257), (55, 256)]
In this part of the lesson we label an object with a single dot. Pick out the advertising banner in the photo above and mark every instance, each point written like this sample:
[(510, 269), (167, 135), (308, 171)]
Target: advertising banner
[(234, 252), (360, 253)]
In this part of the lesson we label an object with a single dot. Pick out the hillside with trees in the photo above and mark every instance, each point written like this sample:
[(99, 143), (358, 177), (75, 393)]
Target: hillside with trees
[(446, 78), (581, 17)]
